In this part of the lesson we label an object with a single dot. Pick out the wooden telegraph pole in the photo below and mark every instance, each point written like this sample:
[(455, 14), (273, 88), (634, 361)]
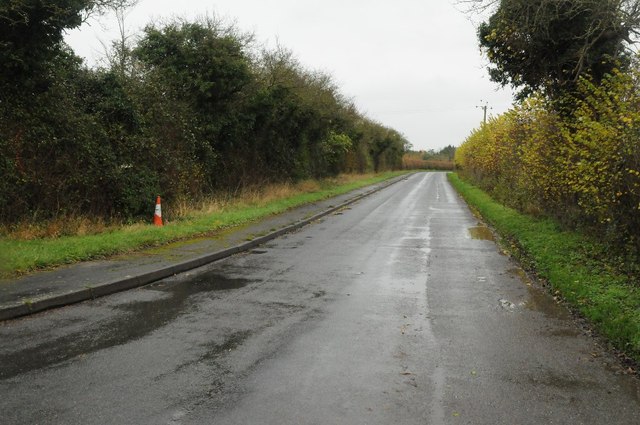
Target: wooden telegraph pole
[(484, 108)]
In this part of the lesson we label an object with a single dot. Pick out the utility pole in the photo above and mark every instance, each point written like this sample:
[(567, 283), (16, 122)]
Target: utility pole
[(484, 108)]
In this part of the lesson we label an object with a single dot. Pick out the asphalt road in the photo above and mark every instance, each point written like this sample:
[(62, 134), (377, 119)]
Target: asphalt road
[(399, 310)]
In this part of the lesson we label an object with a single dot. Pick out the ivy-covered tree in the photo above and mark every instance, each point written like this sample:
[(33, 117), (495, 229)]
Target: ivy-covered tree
[(549, 44), (31, 36), (47, 125), (203, 65)]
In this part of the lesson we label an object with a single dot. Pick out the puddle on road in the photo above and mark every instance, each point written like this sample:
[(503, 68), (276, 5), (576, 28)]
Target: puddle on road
[(563, 332), (482, 233), (209, 282), (319, 294), (539, 300), (231, 343), (136, 320), (214, 350), (543, 302), (554, 379)]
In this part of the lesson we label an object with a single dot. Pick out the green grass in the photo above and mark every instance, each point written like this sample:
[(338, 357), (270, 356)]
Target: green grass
[(20, 256), (572, 263)]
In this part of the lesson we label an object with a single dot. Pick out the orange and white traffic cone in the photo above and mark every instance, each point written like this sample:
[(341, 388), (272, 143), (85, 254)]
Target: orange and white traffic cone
[(157, 216)]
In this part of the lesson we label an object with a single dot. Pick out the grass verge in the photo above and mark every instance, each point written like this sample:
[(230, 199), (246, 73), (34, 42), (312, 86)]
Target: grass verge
[(20, 255), (572, 263)]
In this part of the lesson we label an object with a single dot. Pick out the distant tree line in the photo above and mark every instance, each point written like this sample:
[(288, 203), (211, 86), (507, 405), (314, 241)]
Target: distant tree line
[(188, 110), (430, 159), (445, 154)]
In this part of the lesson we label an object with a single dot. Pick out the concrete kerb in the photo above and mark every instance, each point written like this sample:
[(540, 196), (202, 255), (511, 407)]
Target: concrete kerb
[(119, 285)]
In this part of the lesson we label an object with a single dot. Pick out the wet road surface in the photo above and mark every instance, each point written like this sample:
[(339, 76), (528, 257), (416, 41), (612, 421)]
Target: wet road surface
[(399, 310)]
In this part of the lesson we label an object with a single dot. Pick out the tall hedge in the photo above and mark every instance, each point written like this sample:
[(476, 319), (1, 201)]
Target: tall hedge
[(582, 168), (197, 111)]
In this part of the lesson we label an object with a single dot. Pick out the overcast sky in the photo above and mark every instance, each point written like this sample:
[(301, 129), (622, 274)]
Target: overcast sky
[(413, 65)]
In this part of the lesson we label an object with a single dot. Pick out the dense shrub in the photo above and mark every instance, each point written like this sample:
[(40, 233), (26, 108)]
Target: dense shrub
[(582, 168), (191, 111)]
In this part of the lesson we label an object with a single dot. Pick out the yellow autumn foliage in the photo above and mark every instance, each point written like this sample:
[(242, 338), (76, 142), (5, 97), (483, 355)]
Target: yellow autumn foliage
[(582, 167)]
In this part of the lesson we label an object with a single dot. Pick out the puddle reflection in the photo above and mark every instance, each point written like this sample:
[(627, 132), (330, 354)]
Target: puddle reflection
[(482, 233)]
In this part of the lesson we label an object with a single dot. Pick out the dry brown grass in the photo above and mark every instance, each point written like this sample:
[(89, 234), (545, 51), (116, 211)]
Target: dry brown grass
[(439, 165), (58, 226), (412, 163)]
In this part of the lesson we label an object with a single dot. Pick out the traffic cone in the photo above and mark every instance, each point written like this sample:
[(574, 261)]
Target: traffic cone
[(157, 216)]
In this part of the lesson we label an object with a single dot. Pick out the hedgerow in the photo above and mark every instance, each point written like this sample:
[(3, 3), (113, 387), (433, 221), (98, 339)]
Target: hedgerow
[(188, 110), (580, 165)]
